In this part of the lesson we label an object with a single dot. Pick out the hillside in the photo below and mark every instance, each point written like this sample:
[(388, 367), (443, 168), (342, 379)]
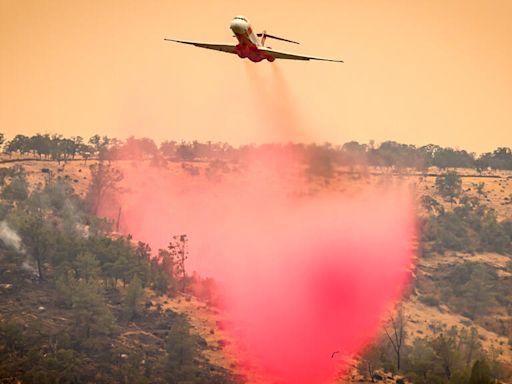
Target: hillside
[(432, 304)]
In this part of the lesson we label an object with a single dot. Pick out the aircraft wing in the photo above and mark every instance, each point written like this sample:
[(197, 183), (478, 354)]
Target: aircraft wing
[(293, 56), (229, 48)]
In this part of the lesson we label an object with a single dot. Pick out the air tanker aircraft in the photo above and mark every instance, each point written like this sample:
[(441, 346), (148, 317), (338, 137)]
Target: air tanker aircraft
[(250, 47)]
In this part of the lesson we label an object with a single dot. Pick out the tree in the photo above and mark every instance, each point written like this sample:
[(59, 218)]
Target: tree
[(473, 284), (41, 144), (37, 238), (397, 334), (17, 189), (179, 254), (20, 144), (92, 317), (446, 351), (421, 361), (391, 153), (141, 266), (104, 180), (85, 151), (87, 266), (449, 157), (501, 158), (180, 349), (68, 148), (185, 152), (431, 205), (449, 186), (56, 150), (320, 161), (168, 149), (480, 373), (480, 188), (11, 335), (162, 273), (100, 145), (137, 148), (471, 344), (132, 299), (369, 362), (354, 153)]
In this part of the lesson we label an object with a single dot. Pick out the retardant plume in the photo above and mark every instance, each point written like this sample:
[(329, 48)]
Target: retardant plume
[(276, 107), (302, 275)]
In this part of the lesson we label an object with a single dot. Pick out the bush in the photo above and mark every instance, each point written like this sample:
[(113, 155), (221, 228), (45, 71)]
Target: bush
[(431, 301), (17, 189)]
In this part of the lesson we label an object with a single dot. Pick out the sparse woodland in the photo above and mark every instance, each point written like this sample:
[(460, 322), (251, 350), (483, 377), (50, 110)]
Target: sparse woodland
[(321, 159), (75, 295), (74, 306)]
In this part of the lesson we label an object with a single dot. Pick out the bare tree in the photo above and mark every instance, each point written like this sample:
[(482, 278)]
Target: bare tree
[(397, 334), (179, 252), (370, 362)]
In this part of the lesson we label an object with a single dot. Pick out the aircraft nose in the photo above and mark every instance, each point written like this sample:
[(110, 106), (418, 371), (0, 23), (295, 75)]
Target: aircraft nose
[(239, 26)]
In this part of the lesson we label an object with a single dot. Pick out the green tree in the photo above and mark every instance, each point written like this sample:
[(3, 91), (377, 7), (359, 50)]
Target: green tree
[(93, 320), (446, 352), (180, 346), (37, 237), (87, 266), (133, 297), (65, 284), (41, 144), (17, 189), (449, 186), (421, 361), (480, 373), (100, 145), (480, 189), (431, 205), (11, 335), (20, 144), (162, 273)]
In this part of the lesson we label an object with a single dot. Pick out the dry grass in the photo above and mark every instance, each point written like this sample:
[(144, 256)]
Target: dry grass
[(207, 322)]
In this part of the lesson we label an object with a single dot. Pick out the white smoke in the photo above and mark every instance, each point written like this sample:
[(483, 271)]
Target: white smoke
[(26, 266), (10, 237)]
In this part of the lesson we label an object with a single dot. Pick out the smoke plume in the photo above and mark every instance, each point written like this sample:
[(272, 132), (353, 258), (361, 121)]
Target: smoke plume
[(10, 237)]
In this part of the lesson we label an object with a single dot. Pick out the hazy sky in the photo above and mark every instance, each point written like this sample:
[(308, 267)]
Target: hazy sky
[(415, 71)]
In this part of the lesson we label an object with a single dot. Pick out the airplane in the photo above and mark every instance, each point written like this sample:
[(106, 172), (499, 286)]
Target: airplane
[(250, 47)]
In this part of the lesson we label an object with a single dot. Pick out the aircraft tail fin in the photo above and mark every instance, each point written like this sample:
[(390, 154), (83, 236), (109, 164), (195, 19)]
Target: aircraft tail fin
[(264, 35)]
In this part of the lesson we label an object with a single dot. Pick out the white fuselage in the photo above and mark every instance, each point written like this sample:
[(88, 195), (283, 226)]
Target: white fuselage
[(248, 42)]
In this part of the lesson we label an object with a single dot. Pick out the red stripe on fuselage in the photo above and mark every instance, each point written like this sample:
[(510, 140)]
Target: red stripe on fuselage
[(243, 39), (247, 47)]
